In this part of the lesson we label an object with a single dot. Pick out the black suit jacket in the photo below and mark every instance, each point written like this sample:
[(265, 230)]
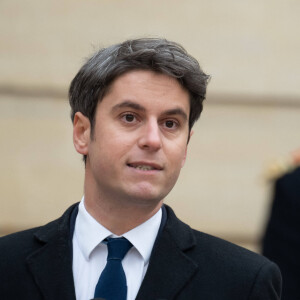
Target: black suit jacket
[(185, 264), (282, 238)]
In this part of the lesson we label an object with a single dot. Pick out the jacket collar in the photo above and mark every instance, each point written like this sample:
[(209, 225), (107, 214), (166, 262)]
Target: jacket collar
[(170, 268), (168, 272), (51, 264)]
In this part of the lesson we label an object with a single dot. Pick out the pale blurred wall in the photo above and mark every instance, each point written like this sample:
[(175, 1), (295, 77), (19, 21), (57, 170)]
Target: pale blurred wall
[(252, 113)]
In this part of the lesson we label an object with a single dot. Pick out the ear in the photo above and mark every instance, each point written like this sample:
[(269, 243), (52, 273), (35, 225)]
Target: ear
[(190, 135), (184, 157), (185, 154), (81, 133)]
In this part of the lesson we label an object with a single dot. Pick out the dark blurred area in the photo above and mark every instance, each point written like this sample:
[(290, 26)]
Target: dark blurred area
[(281, 242)]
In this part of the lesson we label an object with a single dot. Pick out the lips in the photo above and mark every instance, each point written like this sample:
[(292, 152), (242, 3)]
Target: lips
[(145, 166)]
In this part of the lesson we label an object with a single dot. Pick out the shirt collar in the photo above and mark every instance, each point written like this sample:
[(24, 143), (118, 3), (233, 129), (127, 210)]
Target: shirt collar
[(90, 233), (143, 236)]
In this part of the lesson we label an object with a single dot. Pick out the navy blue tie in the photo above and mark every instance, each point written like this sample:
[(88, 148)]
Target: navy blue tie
[(112, 281)]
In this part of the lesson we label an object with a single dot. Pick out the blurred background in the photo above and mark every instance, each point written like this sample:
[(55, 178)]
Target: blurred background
[(251, 116)]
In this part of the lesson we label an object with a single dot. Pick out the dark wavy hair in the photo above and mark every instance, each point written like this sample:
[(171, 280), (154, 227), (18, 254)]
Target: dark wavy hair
[(94, 78)]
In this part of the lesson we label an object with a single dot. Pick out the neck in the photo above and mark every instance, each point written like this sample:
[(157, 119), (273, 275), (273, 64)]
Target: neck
[(118, 219), (118, 215)]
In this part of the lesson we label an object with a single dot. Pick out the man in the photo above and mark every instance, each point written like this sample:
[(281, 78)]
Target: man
[(133, 107), (281, 242)]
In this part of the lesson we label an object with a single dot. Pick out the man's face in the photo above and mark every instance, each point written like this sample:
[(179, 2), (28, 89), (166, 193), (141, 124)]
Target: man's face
[(140, 138)]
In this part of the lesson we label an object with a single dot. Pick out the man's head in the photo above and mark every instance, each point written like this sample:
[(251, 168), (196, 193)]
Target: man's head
[(133, 106), (94, 79)]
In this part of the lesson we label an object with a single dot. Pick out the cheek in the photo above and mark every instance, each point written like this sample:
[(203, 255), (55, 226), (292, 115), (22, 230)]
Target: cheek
[(177, 153), (115, 150), (176, 162)]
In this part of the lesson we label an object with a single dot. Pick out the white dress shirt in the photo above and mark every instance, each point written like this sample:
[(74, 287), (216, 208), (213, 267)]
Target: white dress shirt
[(89, 254)]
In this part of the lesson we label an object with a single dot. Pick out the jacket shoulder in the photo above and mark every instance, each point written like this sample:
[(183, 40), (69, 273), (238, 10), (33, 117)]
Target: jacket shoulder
[(19, 245), (253, 272), (31, 258), (225, 251), (21, 242), (224, 270)]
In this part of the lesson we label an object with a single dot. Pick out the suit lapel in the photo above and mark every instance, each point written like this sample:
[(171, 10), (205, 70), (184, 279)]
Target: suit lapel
[(170, 269), (51, 264)]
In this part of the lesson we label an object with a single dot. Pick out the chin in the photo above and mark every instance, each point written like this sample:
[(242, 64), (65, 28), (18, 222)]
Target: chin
[(144, 193), (145, 197)]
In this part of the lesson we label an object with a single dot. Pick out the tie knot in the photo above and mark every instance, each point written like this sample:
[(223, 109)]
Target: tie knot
[(117, 248)]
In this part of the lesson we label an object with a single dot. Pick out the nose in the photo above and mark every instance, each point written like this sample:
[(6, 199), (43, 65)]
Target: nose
[(150, 138)]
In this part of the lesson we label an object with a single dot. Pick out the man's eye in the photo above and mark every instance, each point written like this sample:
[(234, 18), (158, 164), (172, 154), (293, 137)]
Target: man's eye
[(129, 117), (170, 124)]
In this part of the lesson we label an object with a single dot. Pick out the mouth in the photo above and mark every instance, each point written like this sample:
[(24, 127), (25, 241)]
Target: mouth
[(145, 166)]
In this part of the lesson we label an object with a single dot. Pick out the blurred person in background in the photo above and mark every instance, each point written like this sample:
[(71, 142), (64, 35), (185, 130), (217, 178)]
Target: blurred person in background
[(281, 242), (133, 106)]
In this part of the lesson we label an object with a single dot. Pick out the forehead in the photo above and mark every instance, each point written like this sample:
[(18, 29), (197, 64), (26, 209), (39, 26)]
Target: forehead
[(147, 87)]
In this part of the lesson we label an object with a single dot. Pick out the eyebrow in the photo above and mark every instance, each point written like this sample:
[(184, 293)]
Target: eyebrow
[(136, 106), (129, 104), (176, 111)]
